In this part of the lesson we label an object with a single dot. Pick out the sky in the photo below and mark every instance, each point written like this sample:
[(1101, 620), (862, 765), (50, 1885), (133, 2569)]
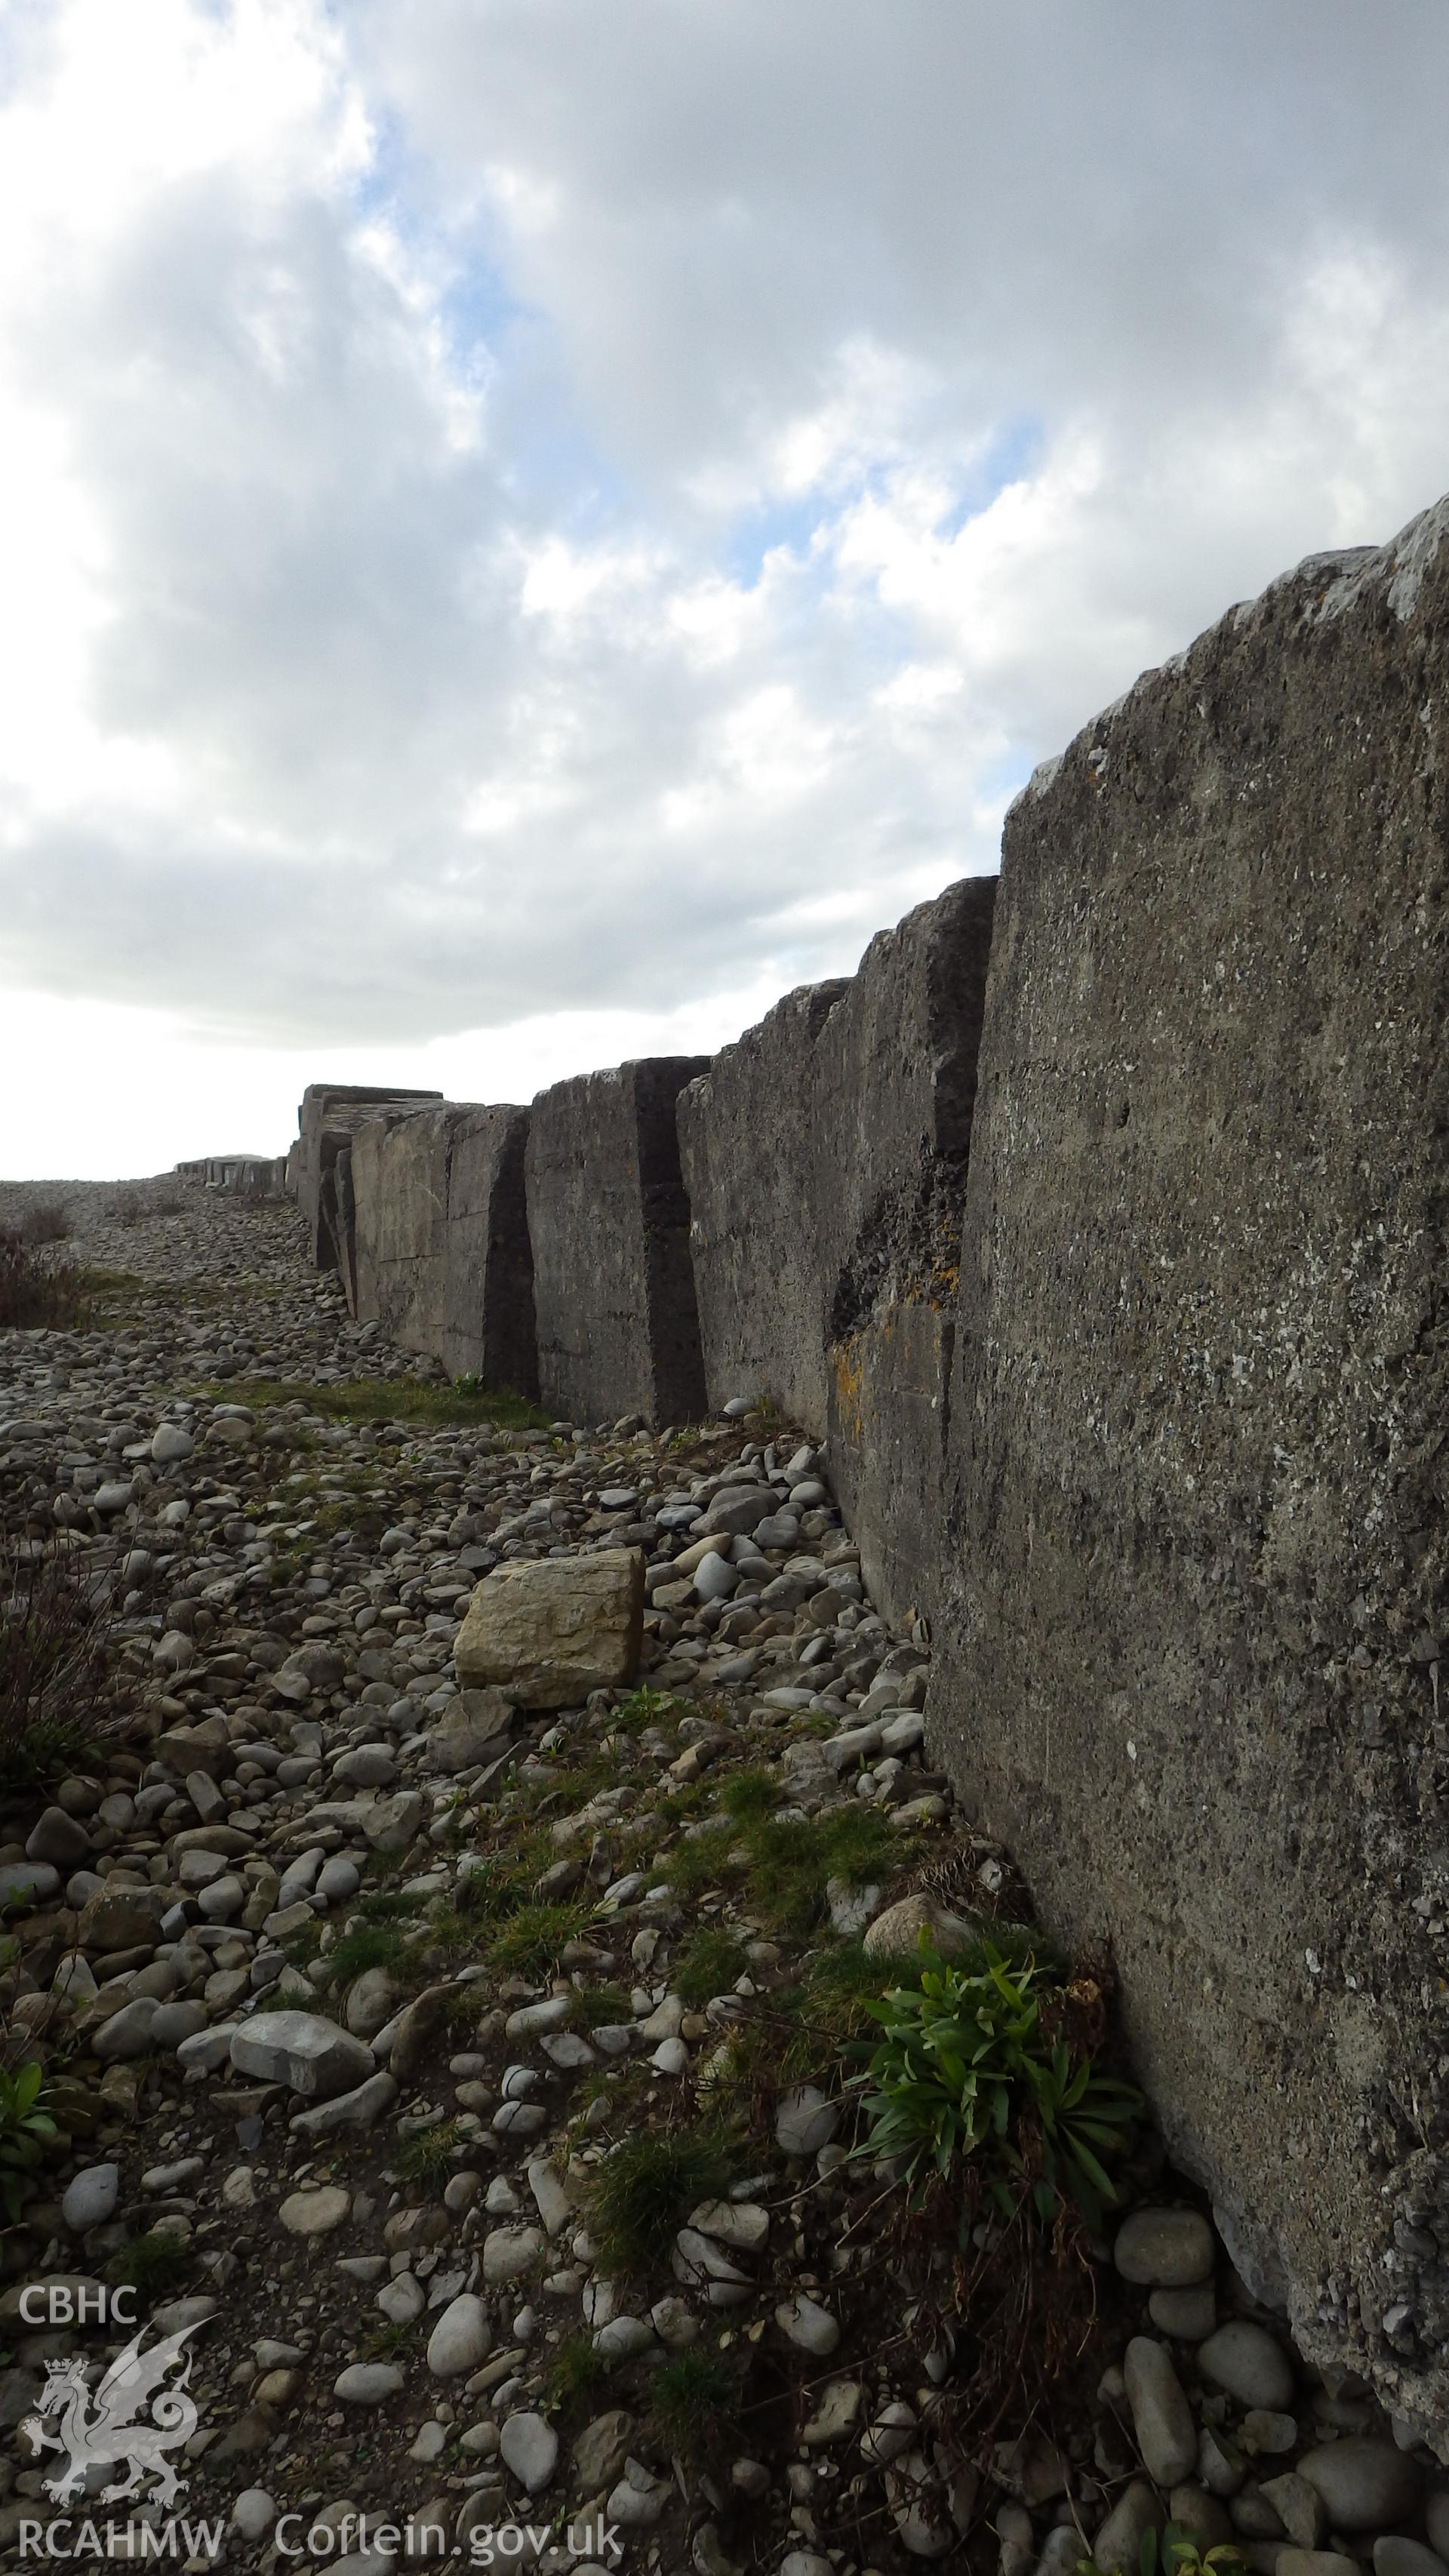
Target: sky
[(530, 527)]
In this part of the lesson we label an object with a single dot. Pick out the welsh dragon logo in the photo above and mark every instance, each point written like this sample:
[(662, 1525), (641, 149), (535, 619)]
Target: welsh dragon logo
[(104, 2430)]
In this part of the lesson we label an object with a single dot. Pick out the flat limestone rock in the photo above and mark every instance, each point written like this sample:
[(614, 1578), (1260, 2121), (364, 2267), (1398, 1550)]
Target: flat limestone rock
[(551, 1631), (303, 2051), (472, 1731)]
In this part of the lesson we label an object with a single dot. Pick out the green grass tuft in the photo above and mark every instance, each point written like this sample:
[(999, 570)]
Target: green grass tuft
[(365, 1946), (792, 1862), (532, 1941), (647, 2187), (428, 2156), (747, 1797), (707, 1964), (575, 2373), (694, 2403), (154, 2265), (391, 1400), (698, 1861)]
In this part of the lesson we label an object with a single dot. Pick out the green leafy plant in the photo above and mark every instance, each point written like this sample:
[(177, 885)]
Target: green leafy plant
[(967, 2069), (642, 1707), (26, 2129), (1176, 2551)]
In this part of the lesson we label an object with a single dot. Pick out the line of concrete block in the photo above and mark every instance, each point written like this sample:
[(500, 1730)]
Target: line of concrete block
[(1098, 1224), (255, 1176), (328, 1114)]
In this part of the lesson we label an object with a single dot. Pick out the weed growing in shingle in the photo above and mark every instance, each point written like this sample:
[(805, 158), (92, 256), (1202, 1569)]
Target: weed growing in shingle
[(532, 1941), (154, 2264), (694, 2402), (428, 2156), (575, 2372), (792, 1862), (365, 1946), (747, 1797), (707, 1964), (698, 1861), (646, 2188)]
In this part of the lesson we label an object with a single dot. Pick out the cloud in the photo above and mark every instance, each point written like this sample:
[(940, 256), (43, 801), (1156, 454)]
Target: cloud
[(515, 512)]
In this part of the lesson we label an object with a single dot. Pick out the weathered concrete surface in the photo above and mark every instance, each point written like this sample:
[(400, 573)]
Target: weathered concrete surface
[(250, 1175), (608, 1220), (825, 1157), (899, 1057), (325, 1119), (488, 1320), (441, 1239), (750, 1151), (1198, 1425)]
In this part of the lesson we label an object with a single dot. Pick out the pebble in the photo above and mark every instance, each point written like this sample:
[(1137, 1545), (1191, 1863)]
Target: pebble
[(368, 2383), (1244, 2359), (301, 2050), (1189, 2316), (1164, 2249), (315, 2213), (461, 2339), (639, 2499), (1315, 2562), (1396, 2555), (1117, 2547), (804, 2322), (1365, 2484), (254, 2512), (509, 2252), (1161, 2417), (529, 2447), (1299, 2507), (805, 2121), (91, 2199)]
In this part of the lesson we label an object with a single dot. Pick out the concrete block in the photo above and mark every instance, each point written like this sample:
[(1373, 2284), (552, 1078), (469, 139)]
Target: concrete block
[(442, 1252), (325, 1120), (750, 1155), (608, 1220), (1189, 1666), (825, 1157)]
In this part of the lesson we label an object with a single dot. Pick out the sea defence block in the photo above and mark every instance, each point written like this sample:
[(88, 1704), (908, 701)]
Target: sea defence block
[(1190, 1660), (328, 1113), (750, 1151), (440, 1233), (825, 1157), (608, 1221), (256, 1176)]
